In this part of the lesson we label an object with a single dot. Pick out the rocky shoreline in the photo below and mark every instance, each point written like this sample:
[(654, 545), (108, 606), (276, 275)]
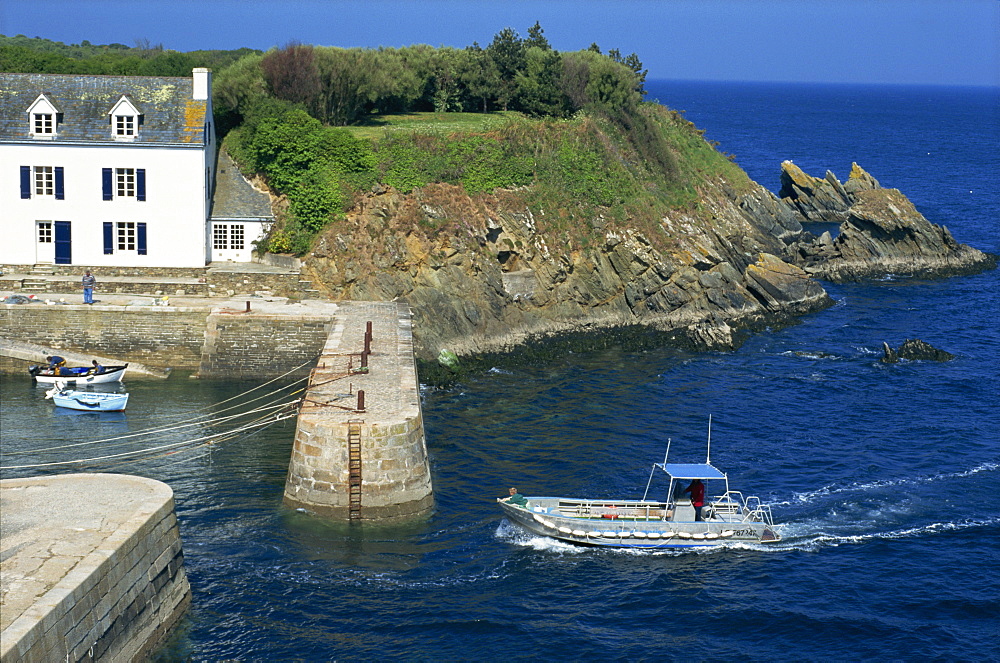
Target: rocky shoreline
[(495, 280)]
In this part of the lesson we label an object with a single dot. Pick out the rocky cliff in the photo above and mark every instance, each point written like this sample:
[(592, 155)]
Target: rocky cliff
[(485, 273), (482, 275)]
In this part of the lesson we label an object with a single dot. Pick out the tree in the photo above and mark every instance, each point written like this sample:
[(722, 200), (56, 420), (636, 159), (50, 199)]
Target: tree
[(506, 51), (478, 73), (633, 63), (575, 76), (538, 86), (537, 38), (445, 80), (292, 74), (236, 89)]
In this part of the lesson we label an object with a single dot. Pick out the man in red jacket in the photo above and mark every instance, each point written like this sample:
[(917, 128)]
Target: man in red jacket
[(697, 490)]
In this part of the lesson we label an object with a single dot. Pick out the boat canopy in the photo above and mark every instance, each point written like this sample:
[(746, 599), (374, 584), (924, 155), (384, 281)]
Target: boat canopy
[(692, 471)]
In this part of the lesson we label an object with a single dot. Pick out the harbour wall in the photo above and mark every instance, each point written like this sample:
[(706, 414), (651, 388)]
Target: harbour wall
[(215, 341), (363, 458), (93, 568)]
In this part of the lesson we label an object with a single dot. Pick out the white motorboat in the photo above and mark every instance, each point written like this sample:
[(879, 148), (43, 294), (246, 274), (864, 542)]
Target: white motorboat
[(726, 516), (87, 401), (77, 374)]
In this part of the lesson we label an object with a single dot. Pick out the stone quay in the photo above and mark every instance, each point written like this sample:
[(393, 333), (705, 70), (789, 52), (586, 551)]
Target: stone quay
[(92, 568), (359, 451)]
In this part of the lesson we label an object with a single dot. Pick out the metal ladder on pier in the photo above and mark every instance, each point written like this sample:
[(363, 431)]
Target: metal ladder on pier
[(354, 469)]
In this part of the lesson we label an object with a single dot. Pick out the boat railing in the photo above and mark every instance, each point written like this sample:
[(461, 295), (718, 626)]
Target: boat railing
[(614, 509), (758, 511), (747, 509), (730, 502)]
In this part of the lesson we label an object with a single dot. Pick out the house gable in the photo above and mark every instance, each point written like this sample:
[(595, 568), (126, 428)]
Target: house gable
[(124, 119), (43, 117)]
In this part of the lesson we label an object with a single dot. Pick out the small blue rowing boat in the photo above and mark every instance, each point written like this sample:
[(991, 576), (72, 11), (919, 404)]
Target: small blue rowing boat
[(87, 401)]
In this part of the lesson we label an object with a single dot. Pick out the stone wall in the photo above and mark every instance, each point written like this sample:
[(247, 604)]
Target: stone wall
[(164, 336), (245, 345), (222, 283), (215, 342), (71, 285), (171, 282), (87, 580), (76, 271), (394, 467)]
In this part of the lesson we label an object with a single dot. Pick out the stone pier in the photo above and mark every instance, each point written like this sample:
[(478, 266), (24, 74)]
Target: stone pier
[(363, 458), (92, 568)]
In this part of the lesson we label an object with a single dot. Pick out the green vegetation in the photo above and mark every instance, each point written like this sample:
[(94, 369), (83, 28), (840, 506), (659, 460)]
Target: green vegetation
[(567, 131), (24, 55)]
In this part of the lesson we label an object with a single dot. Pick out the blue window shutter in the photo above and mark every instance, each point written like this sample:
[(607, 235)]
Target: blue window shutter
[(25, 181), (140, 238), (140, 183), (109, 238), (106, 181), (60, 189)]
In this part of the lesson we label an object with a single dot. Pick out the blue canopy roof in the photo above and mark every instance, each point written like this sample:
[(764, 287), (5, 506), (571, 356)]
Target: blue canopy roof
[(692, 471)]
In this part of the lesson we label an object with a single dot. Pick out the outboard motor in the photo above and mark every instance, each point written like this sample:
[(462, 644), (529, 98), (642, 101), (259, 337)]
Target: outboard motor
[(34, 370)]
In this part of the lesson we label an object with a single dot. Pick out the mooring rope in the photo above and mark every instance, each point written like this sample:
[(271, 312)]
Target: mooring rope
[(153, 431), (150, 451)]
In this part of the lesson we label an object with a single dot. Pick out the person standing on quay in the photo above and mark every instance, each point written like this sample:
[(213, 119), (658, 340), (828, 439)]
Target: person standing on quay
[(88, 287)]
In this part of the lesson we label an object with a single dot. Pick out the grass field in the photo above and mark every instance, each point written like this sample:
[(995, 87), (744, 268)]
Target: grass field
[(429, 122)]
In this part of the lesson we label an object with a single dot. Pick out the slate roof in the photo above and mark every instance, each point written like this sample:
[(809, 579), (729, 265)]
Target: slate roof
[(170, 115), (234, 197)]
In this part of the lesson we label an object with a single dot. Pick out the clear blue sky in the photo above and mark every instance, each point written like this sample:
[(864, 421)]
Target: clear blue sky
[(945, 42)]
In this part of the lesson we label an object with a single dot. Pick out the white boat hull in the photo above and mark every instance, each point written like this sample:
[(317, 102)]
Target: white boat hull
[(633, 524), (90, 401), (112, 374)]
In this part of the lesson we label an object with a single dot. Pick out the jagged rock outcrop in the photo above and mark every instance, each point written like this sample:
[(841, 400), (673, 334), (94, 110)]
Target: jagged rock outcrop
[(914, 350), (482, 275), (822, 200), (881, 232)]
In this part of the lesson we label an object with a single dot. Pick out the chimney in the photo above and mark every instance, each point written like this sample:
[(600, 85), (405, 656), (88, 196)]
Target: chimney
[(202, 83)]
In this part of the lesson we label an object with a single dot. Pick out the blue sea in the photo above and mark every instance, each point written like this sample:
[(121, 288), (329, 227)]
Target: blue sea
[(885, 479)]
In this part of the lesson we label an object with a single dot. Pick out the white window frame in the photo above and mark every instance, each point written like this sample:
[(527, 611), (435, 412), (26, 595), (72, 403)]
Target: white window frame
[(228, 236), (237, 236), (125, 236), (220, 236), (124, 184), (125, 126), (43, 124), (45, 235), (44, 180)]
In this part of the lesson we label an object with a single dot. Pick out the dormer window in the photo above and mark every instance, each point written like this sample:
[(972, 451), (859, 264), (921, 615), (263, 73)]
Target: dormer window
[(125, 119), (43, 117), (44, 124), (124, 125)]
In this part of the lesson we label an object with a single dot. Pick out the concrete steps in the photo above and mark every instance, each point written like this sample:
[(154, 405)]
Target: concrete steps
[(36, 280), (34, 286)]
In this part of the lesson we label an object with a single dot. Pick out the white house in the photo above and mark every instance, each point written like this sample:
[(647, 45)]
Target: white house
[(113, 171)]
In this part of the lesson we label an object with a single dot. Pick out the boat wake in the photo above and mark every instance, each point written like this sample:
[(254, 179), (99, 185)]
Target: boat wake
[(508, 532), (815, 540), (821, 494)]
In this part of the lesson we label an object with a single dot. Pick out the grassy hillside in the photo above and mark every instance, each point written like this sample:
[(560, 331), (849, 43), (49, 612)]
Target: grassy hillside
[(578, 174)]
